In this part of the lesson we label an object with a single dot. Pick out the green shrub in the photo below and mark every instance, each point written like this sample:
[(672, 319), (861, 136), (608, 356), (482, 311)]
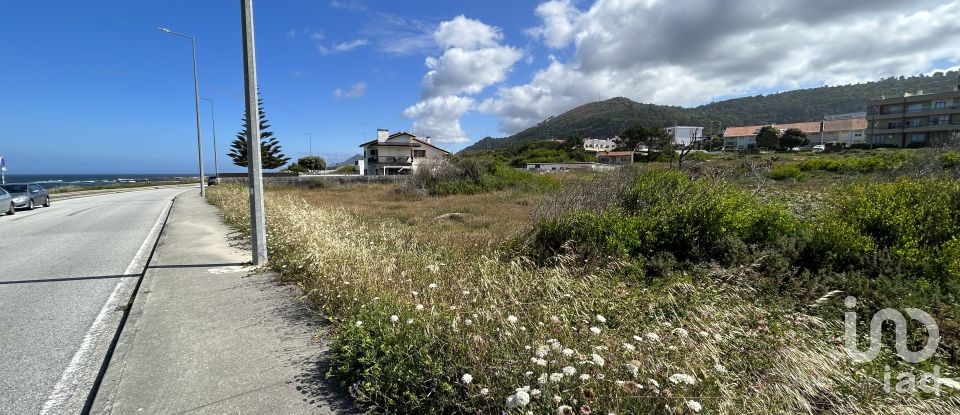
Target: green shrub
[(854, 163), (666, 211), (786, 172), (950, 159), (699, 156), (461, 175)]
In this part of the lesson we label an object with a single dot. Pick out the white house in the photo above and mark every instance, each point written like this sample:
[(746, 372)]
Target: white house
[(398, 153), (598, 145), (684, 135)]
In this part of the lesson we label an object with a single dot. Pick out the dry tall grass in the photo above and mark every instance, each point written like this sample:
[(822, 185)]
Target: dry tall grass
[(422, 328)]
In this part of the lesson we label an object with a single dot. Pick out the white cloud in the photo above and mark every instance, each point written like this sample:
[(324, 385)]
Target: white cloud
[(329, 49), (687, 52), (355, 91), (472, 60), (468, 71), (465, 33), (560, 18), (396, 35), (439, 118)]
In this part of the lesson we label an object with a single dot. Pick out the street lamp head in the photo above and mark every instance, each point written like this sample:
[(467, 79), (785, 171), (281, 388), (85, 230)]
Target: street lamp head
[(163, 29)]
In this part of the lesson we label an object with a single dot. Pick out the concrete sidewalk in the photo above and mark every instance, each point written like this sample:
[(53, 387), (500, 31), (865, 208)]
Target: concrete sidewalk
[(205, 336)]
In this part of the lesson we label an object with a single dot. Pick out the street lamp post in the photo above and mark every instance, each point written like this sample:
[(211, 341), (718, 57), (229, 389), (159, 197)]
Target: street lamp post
[(258, 234), (196, 104), (311, 143), (213, 119)]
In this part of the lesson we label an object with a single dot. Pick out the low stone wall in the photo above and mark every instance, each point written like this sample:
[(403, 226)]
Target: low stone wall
[(295, 180)]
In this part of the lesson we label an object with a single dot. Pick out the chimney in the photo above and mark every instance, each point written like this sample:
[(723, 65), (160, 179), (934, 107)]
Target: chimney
[(382, 135), (428, 140)]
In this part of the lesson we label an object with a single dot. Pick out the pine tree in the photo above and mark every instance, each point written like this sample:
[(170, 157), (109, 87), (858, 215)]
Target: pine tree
[(271, 156)]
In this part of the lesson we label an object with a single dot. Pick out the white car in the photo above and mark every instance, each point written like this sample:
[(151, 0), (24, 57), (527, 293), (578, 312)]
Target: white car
[(818, 148)]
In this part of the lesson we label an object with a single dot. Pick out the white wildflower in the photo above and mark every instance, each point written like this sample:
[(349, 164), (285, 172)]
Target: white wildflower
[(409, 321), (512, 319), (949, 382), (555, 346), (484, 391), (555, 377), (534, 393), (557, 399), (569, 370), (629, 347), (720, 368), (467, 321), (653, 337), (584, 377), (528, 373), (654, 383), (679, 331), (568, 352), (518, 400), (543, 379), (633, 369), (704, 334), (601, 319), (542, 351), (358, 323), (564, 409), (555, 319), (694, 406), (419, 307), (597, 360), (595, 330), (538, 361), (678, 378), (433, 268), (394, 318), (432, 286)]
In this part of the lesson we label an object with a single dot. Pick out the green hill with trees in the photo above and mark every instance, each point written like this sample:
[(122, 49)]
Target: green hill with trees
[(611, 117)]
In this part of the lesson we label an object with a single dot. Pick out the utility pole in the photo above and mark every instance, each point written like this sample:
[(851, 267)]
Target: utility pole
[(311, 143), (258, 235), (213, 119)]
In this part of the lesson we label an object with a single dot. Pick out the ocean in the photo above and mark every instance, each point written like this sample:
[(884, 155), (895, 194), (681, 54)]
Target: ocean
[(50, 181)]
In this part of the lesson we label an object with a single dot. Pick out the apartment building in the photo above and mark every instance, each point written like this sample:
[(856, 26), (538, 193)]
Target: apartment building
[(913, 119), (847, 129)]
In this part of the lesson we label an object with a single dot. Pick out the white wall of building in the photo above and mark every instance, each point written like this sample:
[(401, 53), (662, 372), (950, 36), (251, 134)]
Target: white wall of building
[(683, 135)]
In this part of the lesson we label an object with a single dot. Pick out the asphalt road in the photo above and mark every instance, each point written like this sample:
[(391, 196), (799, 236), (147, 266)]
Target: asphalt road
[(64, 271)]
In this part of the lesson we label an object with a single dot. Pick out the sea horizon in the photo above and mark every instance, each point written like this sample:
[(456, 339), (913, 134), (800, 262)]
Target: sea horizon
[(52, 180)]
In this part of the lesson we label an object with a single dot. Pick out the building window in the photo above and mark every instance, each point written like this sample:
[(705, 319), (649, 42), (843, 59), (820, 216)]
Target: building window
[(940, 105), (940, 119), (918, 138), (373, 152), (914, 107), (419, 153)]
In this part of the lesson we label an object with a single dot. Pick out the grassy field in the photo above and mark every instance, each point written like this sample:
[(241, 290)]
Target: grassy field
[(717, 289)]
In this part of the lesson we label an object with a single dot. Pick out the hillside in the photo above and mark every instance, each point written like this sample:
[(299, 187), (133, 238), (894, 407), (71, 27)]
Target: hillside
[(610, 117)]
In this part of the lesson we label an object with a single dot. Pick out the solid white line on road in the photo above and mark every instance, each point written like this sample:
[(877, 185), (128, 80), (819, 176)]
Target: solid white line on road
[(73, 380)]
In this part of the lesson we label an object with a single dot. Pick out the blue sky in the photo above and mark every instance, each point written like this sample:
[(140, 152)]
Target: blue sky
[(93, 87)]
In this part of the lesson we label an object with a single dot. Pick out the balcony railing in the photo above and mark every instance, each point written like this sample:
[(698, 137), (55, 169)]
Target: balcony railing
[(391, 160)]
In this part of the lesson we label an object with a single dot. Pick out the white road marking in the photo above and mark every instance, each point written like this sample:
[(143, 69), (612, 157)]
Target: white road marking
[(72, 377)]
